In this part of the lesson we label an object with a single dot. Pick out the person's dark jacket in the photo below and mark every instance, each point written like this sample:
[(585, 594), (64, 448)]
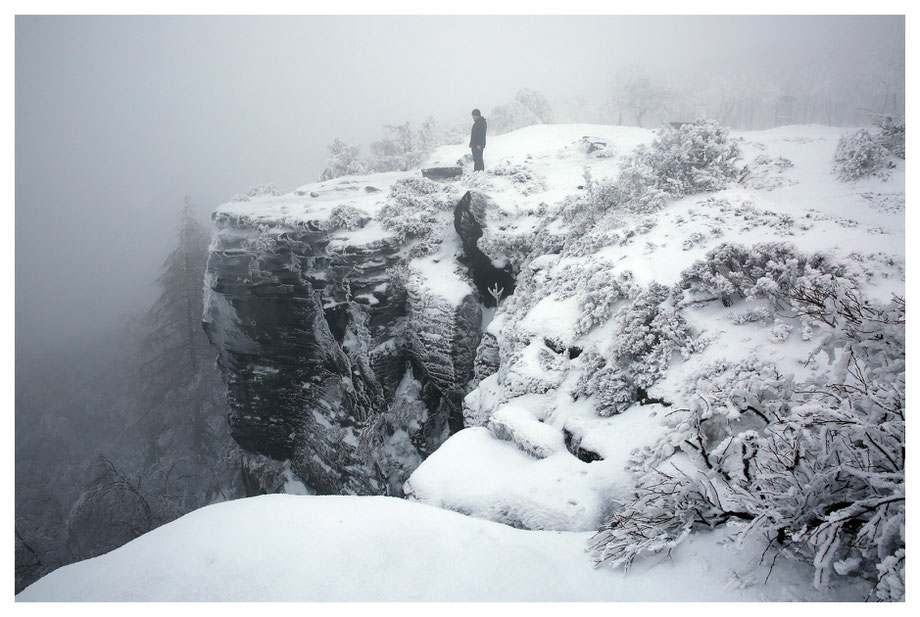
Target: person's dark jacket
[(478, 133)]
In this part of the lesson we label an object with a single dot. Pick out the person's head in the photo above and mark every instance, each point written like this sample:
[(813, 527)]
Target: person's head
[(476, 114)]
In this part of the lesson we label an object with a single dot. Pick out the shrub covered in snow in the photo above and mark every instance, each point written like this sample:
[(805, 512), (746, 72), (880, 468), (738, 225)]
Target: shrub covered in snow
[(812, 469), (697, 157), (503, 248), (891, 134), (401, 148), (648, 332), (526, 109), (732, 272), (598, 290), (859, 155), (259, 190), (414, 206), (864, 153), (345, 216), (524, 178)]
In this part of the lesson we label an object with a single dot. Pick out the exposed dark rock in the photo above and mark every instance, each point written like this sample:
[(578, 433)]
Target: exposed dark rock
[(371, 189), (592, 144), (469, 218), (645, 399), (261, 475), (487, 357), (573, 445), (443, 341), (279, 310), (554, 344), (313, 344), (442, 173)]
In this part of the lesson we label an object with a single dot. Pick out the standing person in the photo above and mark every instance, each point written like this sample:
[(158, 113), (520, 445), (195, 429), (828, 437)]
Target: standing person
[(478, 140)]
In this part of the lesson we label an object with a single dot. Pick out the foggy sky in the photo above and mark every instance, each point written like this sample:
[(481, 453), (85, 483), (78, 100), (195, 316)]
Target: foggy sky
[(117, 118)]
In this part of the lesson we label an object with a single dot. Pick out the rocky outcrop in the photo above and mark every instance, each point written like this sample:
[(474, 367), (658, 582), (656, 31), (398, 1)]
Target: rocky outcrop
[(488, 358), (442, 173), (292, 323), (443, 341), (322, 347)]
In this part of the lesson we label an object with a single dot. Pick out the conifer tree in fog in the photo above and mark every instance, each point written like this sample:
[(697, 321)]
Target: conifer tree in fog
[(182, 427)]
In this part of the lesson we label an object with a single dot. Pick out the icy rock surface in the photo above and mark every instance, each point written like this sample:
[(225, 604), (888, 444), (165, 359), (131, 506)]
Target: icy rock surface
[(442, 173), (318, 321)]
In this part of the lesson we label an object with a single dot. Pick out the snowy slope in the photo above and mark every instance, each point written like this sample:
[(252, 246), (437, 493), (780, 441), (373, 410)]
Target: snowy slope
[(302, 548)]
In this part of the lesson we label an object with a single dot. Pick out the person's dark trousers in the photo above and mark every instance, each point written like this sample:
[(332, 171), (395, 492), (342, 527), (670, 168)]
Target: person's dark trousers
[(478, 165)]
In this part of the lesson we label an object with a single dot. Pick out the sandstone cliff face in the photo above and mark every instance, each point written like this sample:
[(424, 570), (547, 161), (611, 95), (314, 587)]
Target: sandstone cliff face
[(337, 354)]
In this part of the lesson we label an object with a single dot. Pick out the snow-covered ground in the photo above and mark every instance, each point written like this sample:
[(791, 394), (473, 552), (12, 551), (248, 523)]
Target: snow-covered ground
[(307, 548)]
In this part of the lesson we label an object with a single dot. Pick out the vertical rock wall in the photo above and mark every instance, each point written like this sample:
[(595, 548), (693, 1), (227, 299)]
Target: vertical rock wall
[(314, 341)]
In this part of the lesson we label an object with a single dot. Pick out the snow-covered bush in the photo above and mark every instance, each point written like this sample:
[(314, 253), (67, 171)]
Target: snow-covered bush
[(503, 248), (598, 289), (347, 217), (732, 272), (396, 150), (414, 206), (526, 109), (400, 149), (648, 332), (259, 190), (891, 134), (864, 153), (524, 178), (811, 469), (344, 160), (697, 157), (859, 155)]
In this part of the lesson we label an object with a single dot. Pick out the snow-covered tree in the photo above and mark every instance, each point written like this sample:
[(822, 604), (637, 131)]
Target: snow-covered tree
[(401, 148), (528, 107), (634, 92), (344, 160), (113, 509), (182, 426)]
